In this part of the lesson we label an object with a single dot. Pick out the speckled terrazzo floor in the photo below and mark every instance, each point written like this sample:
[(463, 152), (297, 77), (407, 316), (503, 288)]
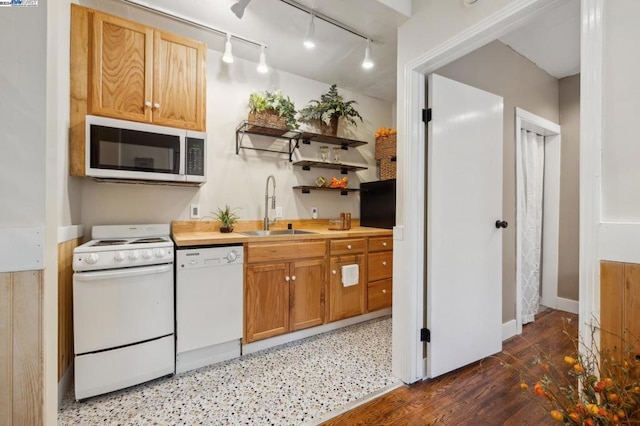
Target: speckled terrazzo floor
[(288, 385)]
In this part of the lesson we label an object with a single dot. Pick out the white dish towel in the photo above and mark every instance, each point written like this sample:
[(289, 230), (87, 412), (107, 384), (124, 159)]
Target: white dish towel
[(350, 275)]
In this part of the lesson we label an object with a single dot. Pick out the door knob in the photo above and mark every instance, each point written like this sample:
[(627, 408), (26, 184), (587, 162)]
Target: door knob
[(501, 224)]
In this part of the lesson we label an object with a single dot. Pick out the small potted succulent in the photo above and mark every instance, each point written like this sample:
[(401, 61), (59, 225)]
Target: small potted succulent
[(227, 218), (328, 109), (272, 109)]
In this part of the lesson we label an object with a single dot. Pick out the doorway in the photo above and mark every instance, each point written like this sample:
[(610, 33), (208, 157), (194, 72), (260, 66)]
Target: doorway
[(408, 267), (547, 273)]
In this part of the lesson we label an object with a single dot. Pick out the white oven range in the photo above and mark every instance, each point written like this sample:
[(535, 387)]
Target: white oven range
[(123, 308)]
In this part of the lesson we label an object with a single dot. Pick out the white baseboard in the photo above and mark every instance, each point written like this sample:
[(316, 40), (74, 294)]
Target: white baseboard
[(568, 305), (297, 335), (509, 329), (64, 384)]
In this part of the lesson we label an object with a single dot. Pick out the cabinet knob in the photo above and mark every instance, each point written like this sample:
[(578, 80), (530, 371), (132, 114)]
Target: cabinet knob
[(384, 291), (147, 104), (156, 105), (349, 247), (384, 244), (293, 278), (334, 272), (287, 278), (384, 263)]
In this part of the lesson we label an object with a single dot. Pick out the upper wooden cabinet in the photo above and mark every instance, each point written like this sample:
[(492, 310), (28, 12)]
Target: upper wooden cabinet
[(142, 74)]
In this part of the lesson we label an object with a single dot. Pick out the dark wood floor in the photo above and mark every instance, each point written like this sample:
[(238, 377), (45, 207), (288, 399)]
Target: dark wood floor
[(485, 393)]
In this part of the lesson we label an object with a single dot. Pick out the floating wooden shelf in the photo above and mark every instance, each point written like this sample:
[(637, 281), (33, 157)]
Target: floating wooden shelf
[(308, 137), (344, 168), (255, 129), (308, 188)]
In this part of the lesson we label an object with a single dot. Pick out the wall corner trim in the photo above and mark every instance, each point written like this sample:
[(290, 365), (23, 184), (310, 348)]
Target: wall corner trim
[(70, 232)]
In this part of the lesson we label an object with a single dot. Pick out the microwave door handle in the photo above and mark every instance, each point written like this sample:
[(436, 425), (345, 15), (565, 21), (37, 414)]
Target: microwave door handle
[(183, 155), (122, 273)]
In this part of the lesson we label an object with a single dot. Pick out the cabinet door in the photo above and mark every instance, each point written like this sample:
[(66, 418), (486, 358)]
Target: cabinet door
[(179, 91), (345, 302), (631, 302), (306, 292), (121, 68), (266, 301)]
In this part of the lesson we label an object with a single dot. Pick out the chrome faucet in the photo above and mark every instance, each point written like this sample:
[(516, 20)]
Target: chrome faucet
[(267, 223)]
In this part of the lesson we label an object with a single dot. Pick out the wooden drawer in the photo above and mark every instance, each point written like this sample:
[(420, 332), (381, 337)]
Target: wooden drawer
[(347, 246), (379, 295), (380, 265), (268, 252), (380, 243)]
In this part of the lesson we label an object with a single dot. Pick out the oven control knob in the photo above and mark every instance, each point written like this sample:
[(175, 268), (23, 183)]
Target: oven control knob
[(134, 255), (120, 256), (159, 252), (92, 258), (147, 254), (231, 256)]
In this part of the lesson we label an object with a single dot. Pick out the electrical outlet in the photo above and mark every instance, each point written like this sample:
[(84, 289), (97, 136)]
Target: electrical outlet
[(279, 214), (314, 212), (194, 213)]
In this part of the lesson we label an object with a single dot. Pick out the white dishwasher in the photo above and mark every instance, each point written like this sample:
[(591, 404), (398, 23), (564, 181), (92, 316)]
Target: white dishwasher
[(208, 305)]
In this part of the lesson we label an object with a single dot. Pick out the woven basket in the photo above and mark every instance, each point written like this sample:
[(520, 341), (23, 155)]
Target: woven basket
[(385, 147), (330, 129), (269, 121), (387, 168)]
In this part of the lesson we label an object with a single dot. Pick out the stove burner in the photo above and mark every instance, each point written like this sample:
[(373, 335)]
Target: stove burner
[(108, 243), (149, 240)]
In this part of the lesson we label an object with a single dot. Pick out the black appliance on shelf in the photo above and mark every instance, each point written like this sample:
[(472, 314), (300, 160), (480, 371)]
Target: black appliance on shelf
[(378, 204)]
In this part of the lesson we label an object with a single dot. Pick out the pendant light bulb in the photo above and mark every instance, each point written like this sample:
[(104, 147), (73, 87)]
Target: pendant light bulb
[(309, 40), (367, 63), (228, 56), (262, 64)]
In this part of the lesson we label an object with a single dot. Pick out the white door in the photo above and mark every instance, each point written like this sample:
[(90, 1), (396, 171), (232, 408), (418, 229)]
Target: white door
[(464, 245)]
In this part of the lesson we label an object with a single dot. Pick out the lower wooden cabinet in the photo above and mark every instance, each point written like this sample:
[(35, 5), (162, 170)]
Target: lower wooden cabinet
[(379, 273), (281, 297), (345, 302)]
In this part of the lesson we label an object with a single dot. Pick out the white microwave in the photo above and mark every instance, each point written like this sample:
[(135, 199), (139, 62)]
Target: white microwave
[(128, 151)]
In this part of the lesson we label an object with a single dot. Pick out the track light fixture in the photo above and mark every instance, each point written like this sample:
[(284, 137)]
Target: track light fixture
[(239, 7), (228, 56), (367, 63), (309, 40), (262, 63)]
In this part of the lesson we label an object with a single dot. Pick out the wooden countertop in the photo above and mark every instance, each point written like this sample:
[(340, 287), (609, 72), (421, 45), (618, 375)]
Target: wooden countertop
[(203, 234)]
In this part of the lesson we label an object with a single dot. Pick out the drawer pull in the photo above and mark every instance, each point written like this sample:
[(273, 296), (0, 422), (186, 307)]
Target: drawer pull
[(287, 278), (384, 263), (349, 247), (384, 291), (384, 244), (334, 272)]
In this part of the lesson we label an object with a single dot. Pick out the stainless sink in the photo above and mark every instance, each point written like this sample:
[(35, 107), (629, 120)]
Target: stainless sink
[(276, 232)]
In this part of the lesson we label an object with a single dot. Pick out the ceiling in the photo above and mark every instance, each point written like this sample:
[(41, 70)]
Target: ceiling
[(552, 41)]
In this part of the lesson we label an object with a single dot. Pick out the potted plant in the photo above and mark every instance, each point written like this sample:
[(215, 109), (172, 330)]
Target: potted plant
[(272, 109), (328, 109), (227, 218)]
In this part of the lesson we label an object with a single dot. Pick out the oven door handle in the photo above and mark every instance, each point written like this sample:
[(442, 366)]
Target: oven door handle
[(122, 273)]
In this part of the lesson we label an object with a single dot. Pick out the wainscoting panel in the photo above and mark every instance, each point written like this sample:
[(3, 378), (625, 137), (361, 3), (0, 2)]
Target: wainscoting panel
[(21, 348)]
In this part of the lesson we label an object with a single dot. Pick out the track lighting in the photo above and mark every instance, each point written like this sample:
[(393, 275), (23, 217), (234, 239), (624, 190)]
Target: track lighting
[(262, 64), (239, 7), (228, 56), (367, 63), (309, 39)]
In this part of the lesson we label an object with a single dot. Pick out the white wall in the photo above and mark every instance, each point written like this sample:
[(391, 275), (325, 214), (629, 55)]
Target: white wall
[(239, 180), (621, 108)]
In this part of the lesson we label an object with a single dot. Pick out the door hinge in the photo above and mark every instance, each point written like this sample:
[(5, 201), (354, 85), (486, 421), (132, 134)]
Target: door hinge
[(426, 115), (425, 335)]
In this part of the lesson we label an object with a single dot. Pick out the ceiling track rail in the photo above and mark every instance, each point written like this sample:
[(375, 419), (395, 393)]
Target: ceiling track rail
[(183, 19)]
